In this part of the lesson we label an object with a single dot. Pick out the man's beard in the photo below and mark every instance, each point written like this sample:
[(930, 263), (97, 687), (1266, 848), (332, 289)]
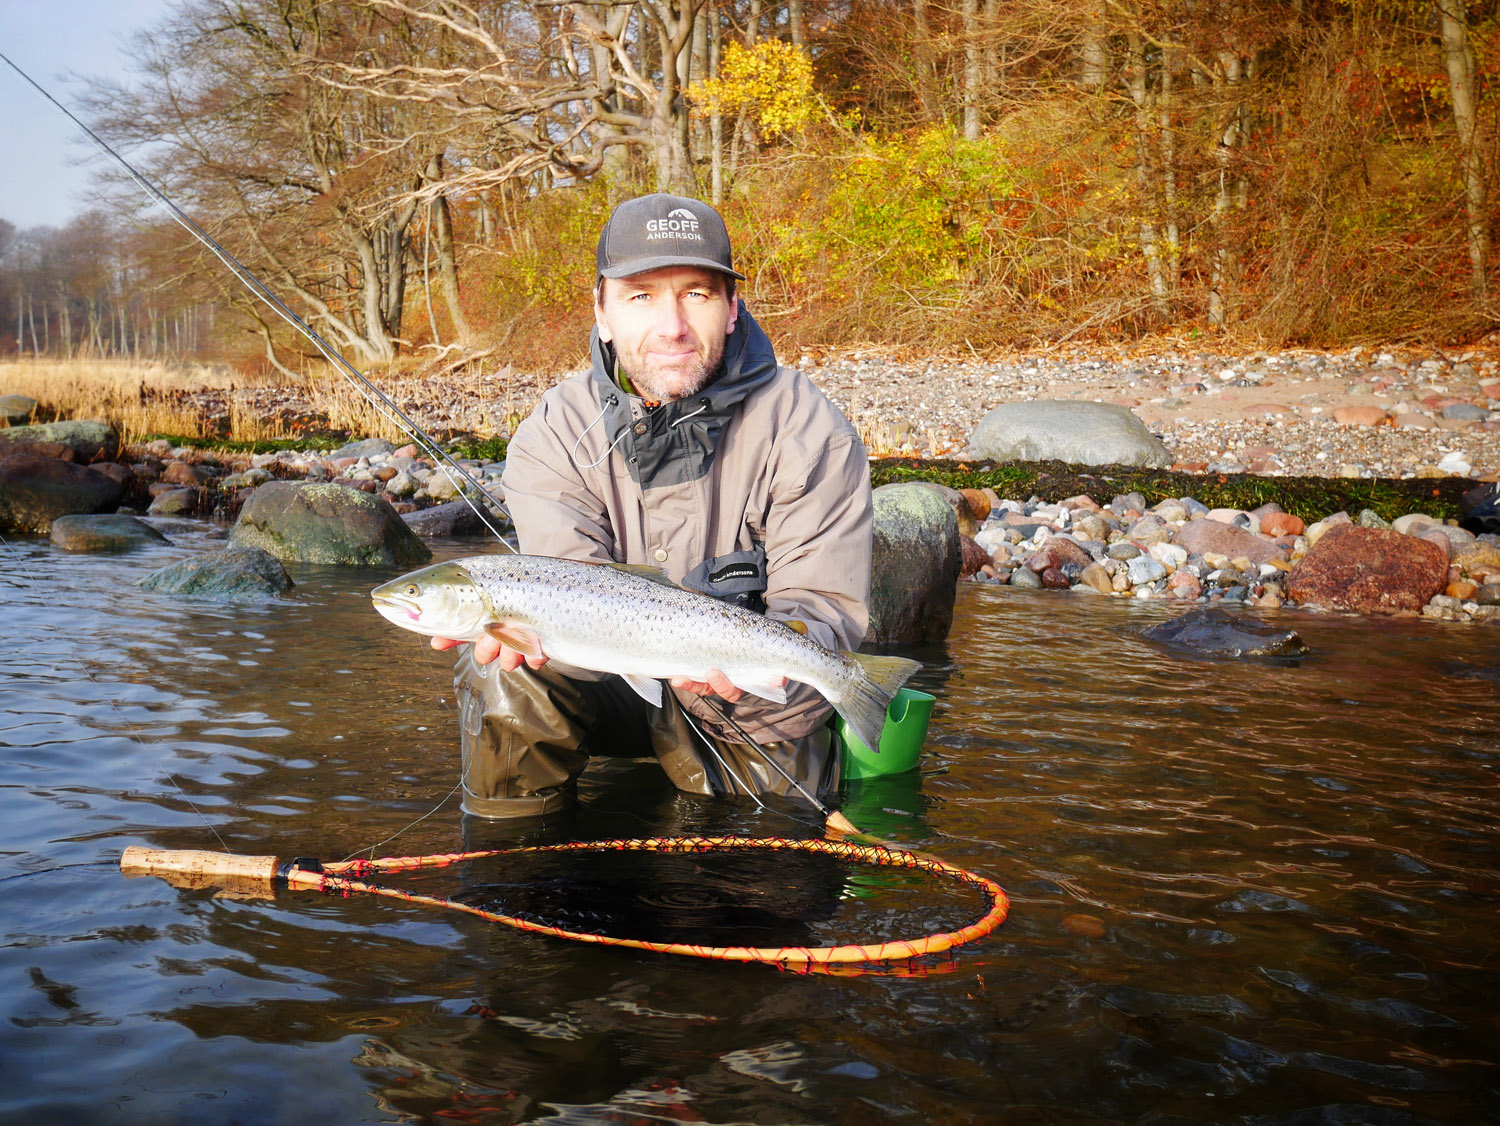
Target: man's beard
[(674, 386)]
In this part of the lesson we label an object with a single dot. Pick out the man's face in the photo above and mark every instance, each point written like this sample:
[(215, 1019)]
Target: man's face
[(668, 327)]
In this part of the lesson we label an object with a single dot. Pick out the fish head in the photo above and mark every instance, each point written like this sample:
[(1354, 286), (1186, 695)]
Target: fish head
[(439, 601)]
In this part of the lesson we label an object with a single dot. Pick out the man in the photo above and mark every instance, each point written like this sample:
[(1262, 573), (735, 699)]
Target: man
[(685, 448)]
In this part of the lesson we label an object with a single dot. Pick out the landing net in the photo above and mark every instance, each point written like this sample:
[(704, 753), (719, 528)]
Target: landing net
[(349, 877)]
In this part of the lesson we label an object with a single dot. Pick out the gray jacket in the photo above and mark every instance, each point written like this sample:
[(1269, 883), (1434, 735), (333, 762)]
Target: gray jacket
[(756, 490)]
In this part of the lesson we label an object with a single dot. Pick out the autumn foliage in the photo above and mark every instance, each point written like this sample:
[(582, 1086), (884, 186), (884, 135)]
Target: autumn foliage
[(425, 181)]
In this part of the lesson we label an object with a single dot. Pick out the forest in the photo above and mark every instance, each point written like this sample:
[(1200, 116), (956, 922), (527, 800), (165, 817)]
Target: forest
[(424, 180)]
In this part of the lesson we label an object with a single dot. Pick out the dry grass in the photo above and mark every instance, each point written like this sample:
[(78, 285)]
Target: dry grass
[(189, 400), (135, 398)]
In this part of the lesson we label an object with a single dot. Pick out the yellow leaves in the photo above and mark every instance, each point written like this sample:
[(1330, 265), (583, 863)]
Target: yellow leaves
[(772, 82)]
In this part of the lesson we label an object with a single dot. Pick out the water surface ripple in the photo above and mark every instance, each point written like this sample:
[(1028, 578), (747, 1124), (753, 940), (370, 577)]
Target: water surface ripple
[(1244, 891)]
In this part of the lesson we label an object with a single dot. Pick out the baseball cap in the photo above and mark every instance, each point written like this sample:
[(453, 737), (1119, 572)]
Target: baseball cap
[(652, 231)]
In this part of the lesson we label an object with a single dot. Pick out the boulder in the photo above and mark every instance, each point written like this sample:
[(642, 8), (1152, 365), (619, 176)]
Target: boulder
[(456, 518), (365, 447), (187, 474), (324, 523), (35, 491), (1080, 433), (236, 572), (1369, 570), (174, 502), (17, 410), (972, 557), (88, 440), (1210, 537), (1215, 633), (915, 566), (110, 532), (968, 524)]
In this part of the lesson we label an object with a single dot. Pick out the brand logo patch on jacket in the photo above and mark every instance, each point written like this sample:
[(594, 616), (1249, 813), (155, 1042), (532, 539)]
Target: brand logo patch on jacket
[(735, 571)]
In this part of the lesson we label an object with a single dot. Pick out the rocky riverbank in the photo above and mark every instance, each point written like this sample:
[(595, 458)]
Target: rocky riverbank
[(1121, 545), (1359, 413)]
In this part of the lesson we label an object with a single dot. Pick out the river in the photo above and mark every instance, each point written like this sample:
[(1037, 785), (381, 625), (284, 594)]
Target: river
[(1243, 891)]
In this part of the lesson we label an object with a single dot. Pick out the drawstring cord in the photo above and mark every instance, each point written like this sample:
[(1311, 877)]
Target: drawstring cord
[(624, 430)]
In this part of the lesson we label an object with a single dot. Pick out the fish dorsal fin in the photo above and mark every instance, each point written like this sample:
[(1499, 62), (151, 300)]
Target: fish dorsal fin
[(796, 625), (643, 571), (522, 638)]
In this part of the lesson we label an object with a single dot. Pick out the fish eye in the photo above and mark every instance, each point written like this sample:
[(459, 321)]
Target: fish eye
[(411, 590)]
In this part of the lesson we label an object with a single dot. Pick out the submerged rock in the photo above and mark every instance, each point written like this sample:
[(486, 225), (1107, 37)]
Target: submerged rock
[(1225, 635), (111, 532), (235, 572), (325, 523)]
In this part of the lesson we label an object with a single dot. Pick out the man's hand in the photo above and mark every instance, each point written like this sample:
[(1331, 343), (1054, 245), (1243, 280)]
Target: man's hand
[(488, 649), (717, 684)]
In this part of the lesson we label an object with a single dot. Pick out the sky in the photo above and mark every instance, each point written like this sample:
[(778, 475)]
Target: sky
[(58, 43)]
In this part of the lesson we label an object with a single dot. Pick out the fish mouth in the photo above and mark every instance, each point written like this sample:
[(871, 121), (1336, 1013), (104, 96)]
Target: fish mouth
[(395, 608)]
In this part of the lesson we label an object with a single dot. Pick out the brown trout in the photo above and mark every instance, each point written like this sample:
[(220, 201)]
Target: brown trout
[(637, 625)]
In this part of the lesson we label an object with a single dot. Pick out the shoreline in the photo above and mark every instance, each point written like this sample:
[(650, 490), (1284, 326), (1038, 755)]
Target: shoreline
[(1358, 413), (1389, 412)]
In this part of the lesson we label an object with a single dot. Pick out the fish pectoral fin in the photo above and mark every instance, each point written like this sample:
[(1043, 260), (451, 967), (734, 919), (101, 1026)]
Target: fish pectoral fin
[(647, 688), (522, 638), (766, 689)]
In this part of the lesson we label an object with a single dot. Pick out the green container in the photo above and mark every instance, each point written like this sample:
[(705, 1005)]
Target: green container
[(900, 741)]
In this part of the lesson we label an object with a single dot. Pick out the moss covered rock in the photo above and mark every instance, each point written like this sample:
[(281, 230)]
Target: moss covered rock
[(327, 523)]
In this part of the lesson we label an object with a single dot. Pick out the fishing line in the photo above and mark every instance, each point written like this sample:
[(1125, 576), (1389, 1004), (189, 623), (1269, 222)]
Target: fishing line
[(361, 383)]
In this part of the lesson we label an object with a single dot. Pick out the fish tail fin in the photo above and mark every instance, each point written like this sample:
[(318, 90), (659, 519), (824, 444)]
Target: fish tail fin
[(878, 681)]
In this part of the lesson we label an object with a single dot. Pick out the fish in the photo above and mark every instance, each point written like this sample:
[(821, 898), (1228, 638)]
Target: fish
[(636, 623)]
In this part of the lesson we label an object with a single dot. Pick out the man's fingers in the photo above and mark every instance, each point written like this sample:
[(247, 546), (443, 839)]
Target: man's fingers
[(717, 684), (441, 643)]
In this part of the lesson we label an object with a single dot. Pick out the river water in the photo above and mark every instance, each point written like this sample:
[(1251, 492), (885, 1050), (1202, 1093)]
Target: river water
[(1244, 891)]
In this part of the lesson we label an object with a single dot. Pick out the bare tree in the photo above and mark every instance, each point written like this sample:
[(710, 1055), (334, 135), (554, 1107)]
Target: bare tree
[(1458, 57)]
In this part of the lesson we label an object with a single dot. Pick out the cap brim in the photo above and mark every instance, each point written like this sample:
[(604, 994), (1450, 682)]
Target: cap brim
[(644, 265)]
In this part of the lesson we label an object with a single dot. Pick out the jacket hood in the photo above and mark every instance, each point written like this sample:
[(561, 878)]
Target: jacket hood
[(676, 441)]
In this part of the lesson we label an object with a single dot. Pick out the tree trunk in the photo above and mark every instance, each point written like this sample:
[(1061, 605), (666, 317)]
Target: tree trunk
[(1459, 57), (1093, 55), (1138, 83), (973, 70), (1167, 140), (1223, 258), (926, 73), (715, 119), (442, 223)]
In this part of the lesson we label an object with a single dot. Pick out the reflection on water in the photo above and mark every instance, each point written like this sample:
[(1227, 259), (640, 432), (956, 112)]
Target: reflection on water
[(1243, 891)]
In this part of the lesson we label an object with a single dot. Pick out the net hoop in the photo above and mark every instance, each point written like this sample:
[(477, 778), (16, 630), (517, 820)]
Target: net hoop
[(348, 877)]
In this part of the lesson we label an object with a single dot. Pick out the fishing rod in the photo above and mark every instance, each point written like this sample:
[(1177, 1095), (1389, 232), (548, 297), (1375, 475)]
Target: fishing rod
[(362, 383)]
